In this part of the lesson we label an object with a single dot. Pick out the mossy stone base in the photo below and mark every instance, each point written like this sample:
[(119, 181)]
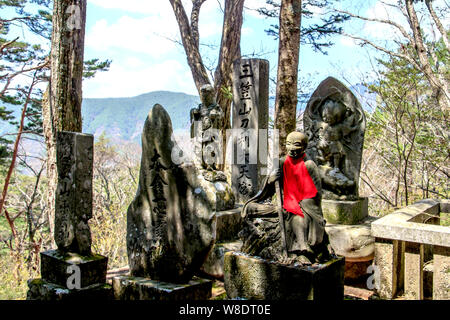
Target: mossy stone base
[(253, 278), (46, 291), (138, 288), (345, 212), (54, 268)]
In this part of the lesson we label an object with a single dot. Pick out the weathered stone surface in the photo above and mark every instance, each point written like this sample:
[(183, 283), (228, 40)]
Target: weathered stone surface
[(399, 225), (73, 198), (441, 273), (213, 265), (389, 255), (357, 269), (352, 241), (414, 263), (335, 124), (137, 288), (229, 223), (171, 222), (250, 124), (55, 264), (46, 291), (255, 278), (345, 212), (444, 205)]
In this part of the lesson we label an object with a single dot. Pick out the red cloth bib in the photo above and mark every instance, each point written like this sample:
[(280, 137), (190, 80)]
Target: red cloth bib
[(297, 184)]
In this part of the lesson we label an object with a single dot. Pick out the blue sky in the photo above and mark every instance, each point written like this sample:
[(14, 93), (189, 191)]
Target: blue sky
[(135, 33)]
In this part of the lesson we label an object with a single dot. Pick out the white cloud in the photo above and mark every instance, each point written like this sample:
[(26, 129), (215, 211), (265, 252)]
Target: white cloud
[(133, 77), (137, 6), (133, 35), (382, 31)]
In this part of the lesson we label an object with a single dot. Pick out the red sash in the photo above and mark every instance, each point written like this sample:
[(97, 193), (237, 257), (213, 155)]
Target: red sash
[(297, 184)]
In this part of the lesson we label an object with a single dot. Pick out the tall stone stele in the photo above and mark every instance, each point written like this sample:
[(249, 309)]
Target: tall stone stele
[(171, 222), (72, 270)]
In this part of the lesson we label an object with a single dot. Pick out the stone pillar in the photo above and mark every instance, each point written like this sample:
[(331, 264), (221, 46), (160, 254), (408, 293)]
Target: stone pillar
[(249, 123), (72, 271), (441, 273), (389, 260), (414, 261), (73, 204)]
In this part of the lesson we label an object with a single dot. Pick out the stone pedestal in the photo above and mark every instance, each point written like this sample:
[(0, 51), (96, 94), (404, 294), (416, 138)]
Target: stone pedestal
[(137, 288), (255, 278), (58, 267), (69, 276), (356, 244), (345, 212)]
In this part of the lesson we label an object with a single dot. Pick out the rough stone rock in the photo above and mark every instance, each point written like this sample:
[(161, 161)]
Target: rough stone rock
[(229, 223), (136, 288), (171, 222), (255, 278), (352, 241), (345, 212), (213, 265)]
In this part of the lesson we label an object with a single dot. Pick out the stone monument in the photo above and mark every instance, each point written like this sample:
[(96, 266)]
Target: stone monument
[(72, 271), (171, 223), (250, 124), (286, 252), (335, 124)]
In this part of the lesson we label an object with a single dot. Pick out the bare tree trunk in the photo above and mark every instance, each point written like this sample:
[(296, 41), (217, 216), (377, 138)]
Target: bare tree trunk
[(63, 99), (230, 50), (288, 58), (189, 35), (438, 84)]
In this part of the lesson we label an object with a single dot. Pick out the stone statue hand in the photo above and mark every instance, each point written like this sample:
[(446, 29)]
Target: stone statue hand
[(274, 176)]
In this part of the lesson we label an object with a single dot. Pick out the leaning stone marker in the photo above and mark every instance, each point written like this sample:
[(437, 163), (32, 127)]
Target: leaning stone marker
[(72, 271), (171, 222), (250, 124)]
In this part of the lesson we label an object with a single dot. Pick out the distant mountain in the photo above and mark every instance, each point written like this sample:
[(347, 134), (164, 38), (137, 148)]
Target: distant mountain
[(122, 119)]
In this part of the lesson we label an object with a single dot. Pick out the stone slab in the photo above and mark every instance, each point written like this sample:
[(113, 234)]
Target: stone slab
[(55, 264), (138, 288), (398, 225), (253, 278), (345, 212), (46, 291), (228, 224), (213, 265)]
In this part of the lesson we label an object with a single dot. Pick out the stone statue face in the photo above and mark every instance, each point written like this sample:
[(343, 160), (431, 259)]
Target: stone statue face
[(296, 143), (333, 112), (207, 95)]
